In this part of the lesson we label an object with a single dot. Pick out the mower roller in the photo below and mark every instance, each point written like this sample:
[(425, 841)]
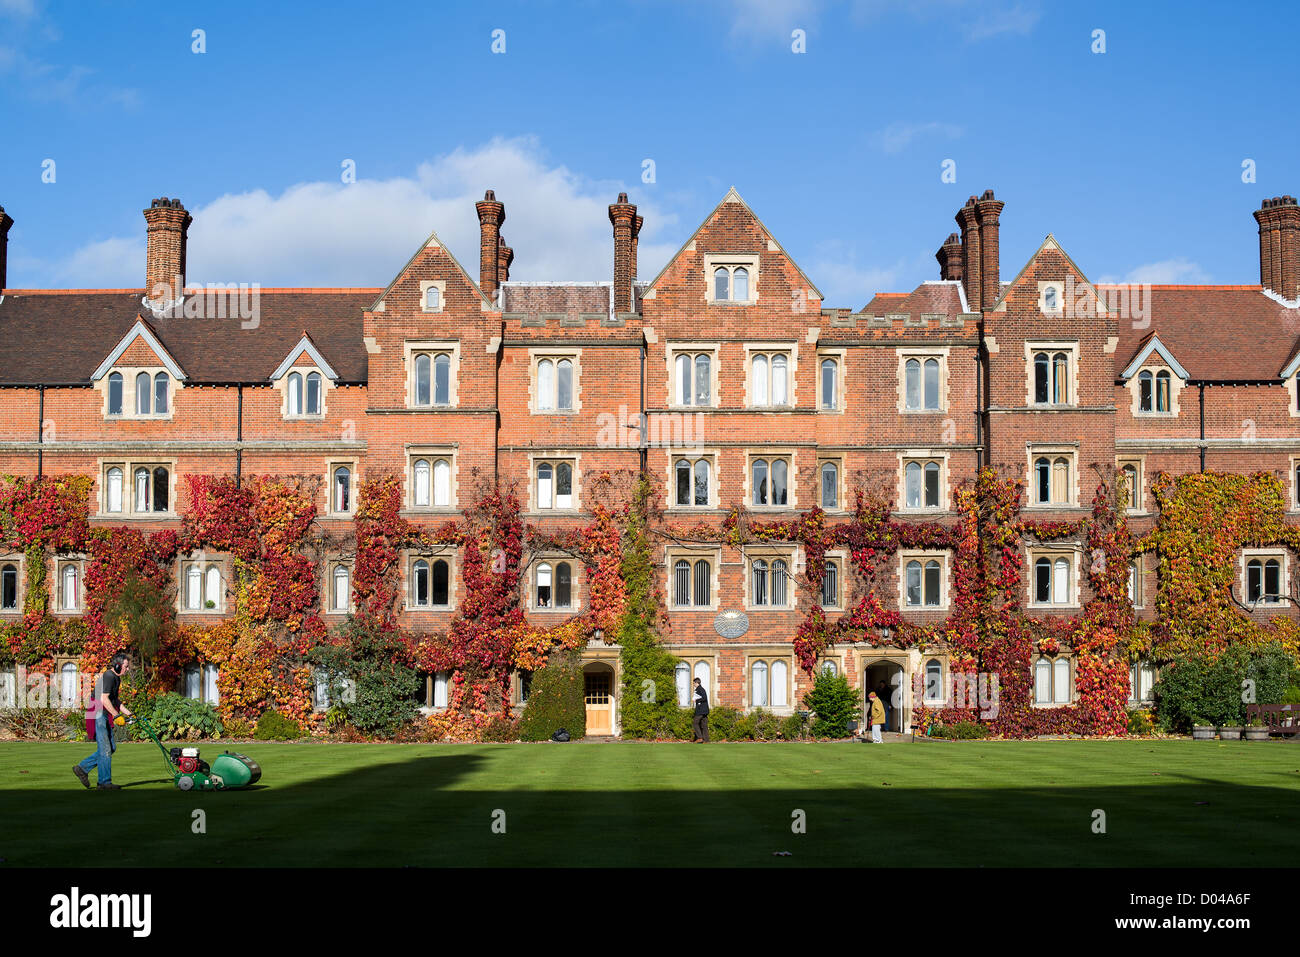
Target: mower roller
[(228, 771)]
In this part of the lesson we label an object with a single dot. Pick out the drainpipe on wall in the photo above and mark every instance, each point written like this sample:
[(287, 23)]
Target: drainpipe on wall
[(1201, 389), (643, 425), (40, 433), (239, 436)]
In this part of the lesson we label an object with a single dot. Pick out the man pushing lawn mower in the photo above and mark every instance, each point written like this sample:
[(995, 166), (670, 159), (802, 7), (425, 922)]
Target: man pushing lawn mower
[(109, 711)]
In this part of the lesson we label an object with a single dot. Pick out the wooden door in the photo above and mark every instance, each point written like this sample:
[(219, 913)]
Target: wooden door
[(599, 698)]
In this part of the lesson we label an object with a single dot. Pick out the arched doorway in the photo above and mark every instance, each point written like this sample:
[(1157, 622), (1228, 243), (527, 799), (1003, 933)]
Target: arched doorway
[(598, 695), (893, 676)]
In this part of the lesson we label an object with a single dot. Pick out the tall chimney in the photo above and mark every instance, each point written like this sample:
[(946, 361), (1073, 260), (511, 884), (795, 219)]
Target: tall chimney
[(950, 258), (636, 235), (5, 222), (990, 285), (1279, 246), (971, 263), (505, 256), (168, 226), (623, 215), (491, 215)]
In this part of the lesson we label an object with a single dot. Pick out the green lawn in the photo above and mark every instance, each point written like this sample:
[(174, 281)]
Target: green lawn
[(1167, 804)]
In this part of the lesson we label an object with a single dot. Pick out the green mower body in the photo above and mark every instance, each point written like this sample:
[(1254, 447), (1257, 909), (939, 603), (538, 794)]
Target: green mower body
[(228, 772)]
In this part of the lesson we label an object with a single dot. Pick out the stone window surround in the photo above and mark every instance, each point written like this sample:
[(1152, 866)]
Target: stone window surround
[(1033, 665), (17, 559), (1264, 554), (432, 453), (203, 560), (714, 350), (80, 560), (128, 393), (791, 554), (692, 455), (1059, 286), (840, 356), (792, 484), (1295, 486), (1052, 453), (791, 352), (1053, 552), (1139, 463), (691, 660), (535, 356), (921, 457), (840, 556), (711, 554), (128, 467), (441, 286), (923, 555), (750, 261), (1138, 592), (945, 680), (327, 603), (1071, 348), (554, 559), (767, 655), (354, 486), (836, 459), (281, 385), (411, 347), (447, 553), (1176, 386), (922, 353), (554, 458)]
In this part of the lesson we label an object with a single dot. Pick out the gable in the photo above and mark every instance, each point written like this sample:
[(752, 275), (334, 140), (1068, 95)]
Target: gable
[(432, 261), (1154, 347), (139, 347), (1052, 265), (304, 353)]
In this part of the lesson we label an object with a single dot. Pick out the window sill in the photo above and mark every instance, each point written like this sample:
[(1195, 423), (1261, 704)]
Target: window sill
[(449, 407), (429, 608), (204, 612), (427, 510), (314, 417), (1063, 704), (712, 608), (136, 516), (943, 607), (1073, 606), (924, 411), (571, 610), (732, 302), (556, 411)]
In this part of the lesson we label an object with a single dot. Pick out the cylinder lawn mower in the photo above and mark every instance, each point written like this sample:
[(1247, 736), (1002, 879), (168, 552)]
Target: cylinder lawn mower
[(189, 772)]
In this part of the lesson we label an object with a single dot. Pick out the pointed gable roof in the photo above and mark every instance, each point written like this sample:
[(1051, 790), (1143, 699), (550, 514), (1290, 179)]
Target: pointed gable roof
[(305, 345), (1154, 345), (732, 197), (1049, 244), (432, 242), (141, 330)]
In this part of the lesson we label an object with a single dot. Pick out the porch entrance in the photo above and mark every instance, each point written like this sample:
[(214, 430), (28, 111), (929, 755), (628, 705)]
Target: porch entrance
[(598, 694), (893, 694)]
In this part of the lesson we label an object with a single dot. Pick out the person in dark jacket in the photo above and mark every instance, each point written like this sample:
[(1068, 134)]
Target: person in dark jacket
[(701, 714), (886, 699), (109, 712)]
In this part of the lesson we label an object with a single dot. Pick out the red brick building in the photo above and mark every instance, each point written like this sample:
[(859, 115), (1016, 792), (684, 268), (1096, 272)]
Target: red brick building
[(726, 377)]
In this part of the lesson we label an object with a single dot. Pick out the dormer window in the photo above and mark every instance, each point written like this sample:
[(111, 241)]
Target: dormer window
[(1153, 391), (115, 394), (304, 393)]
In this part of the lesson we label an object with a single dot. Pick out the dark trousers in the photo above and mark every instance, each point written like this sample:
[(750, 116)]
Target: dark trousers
[(702, 727)]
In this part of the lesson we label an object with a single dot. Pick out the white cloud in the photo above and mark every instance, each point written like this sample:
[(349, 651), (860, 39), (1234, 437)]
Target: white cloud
[(898, 136), (844, 282), (1178, 271), (973, 19), (361, 234), (763, 19)]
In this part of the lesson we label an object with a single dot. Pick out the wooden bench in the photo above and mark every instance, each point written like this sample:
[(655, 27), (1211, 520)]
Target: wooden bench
[(1283, 719)]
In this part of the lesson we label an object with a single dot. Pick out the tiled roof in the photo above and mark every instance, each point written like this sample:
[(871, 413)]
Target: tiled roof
[(568, 298), (1218, 333), (928, 298), (62, 336)]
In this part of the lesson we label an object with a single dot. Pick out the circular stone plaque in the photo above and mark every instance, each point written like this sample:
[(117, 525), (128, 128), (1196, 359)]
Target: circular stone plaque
[(731, 624)]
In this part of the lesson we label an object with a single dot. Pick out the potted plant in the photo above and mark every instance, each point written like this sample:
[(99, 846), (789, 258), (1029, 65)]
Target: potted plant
[(1229, 732), (1202, 730), (1256, 730)]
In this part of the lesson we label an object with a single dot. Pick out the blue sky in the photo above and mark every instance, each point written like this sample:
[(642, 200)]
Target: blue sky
[(1131, 157)]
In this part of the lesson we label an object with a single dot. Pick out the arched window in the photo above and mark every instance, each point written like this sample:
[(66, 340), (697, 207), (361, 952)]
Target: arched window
[(342, 591), (440, 681), (115, 393), (1042, 374), (423, 379), (441, 483), (702, 672), (71, 590), (563, 585), (161, 489), (545, 385), (113, 497), (682, 582), (441, 590), (931, 484), (1144, 391), (830, 485), (313, 393), (442, 379), (1043, 581), (1272, 579), (740, 279), (564, 384), (759, 577), (193, 588), (1060, 368), (702, 482), (212, 587), (759, 380), (421, 491), (295, 393), (759, 477), (193, 682), (1042, 681), (1042, 480), (912, 485), (759, 684), (143, 388), (703, 579), (209, 675), (9, 588), (703, 379), (912, 583), (1061, 480), (160, 385), (342, 488), (780, 473), (828, 667), (780, 394), (684, 392), (933, 681), (1134, 490), (932, 383), (69, 685), (1061, 681), (544, 597), (831, 585), (545, 485), (1162, 391), (420, 583), (1049, 299), (682, 678), (778, 583), (433, 298), (564, 485), (932, 582), (829, 376), (683, 471), (720, 284), (141, 483), (912, 378), (1061, 582)]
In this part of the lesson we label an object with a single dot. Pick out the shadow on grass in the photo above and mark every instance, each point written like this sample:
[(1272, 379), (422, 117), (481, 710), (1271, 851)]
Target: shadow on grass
[(414, 813)]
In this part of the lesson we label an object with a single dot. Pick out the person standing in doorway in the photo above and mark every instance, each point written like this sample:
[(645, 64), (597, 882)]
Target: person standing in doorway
[(875, 716), (701, 714), (886, 699), (109, 712)]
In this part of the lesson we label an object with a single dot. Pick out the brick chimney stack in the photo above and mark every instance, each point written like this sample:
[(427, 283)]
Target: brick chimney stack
[(5, 222), (989, 209), (491, 214), (505, 256), (971, 262), (1279, 246), (623, 216), (950, 258), (167, 230), (636, 235)]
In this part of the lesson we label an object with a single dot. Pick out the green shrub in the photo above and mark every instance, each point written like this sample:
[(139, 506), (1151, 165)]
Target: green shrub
[(1139, 721), (681, 724), (961, 730), (1291, 695), (273, 726), (722, 722), (834, 703), (1199, 689), (794, 728), (501, 729), (767, 726), (40, 724), (382, 696), (176, 717), (555, 700)]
